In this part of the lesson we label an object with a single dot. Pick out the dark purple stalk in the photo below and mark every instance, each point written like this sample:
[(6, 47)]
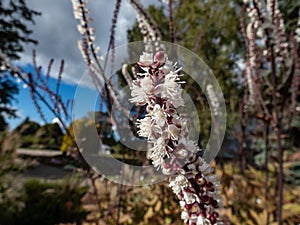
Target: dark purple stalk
[(278, 135), (48, 70), (171, 22), (243, 117), (198, 41), (31, 85), (277, 125), (295, 79), (111, 45), (267, 169), (61, 69), (277, 119)]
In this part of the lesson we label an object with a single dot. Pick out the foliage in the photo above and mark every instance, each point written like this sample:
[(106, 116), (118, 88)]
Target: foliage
[(14, 32), (85, 125), (49, 136), (154, 204), (215, 26), (30, 134), (11, 184), (209, 29), (8, 90), (271, 89), (11, 194), (290, 12), (51, 203), (39, 202), (27, 127), (32, 201), (68, 142), (245, 200), (158, 15)]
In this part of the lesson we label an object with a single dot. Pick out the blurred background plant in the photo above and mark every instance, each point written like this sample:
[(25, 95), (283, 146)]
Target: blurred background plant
[(24, 200), (253, 49)]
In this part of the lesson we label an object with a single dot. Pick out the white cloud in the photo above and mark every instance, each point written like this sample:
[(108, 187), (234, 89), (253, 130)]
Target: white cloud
[(56, 31), (56, 120)]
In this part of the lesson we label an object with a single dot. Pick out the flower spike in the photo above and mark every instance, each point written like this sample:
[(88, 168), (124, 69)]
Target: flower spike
[(190, 178)]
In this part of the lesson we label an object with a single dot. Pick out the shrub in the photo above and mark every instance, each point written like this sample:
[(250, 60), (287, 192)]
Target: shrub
[(51, 203)]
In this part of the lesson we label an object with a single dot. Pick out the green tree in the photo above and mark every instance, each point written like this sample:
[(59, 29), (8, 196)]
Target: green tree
[(211, 30), (8, 90), (85, 126), (14, 33), (290, 13)]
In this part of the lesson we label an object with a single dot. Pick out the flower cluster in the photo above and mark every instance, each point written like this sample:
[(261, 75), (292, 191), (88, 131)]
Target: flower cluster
[(191, 179), (81, 13), (265, 36), (147, 25)]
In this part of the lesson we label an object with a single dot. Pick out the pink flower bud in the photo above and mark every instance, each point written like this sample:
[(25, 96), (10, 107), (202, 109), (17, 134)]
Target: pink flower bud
[(160, 57)]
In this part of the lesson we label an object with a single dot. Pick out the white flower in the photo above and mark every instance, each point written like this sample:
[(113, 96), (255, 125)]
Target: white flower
[(205, 169), (188, 145), (170, 90), (182, 203), (167, 169), (148, 129), (189, 198), (139, 96), (213, 99), (178, 183), (193, 219), (146, 59), (145, 126), (158, 152), (173, 131), (159, 115), (202, 221), (147, 84), (182, 153), (81, 29), (184, 216), (168, 67), (140, 91)]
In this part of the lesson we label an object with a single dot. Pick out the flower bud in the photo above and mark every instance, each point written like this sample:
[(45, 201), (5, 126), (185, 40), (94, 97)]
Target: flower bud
[(160, 57)]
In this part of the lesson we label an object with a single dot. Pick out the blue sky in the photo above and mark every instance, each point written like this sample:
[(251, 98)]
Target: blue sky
[(25, 105), (26, 108)]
